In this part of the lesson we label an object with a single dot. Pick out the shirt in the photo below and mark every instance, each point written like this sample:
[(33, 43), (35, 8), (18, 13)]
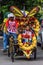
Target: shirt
[(12, 26), (27, 35)]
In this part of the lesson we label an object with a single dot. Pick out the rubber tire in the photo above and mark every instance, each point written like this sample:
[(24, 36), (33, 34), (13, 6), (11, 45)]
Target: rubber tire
[(12, 57), (42, 46), (35, 51), (8, 53)]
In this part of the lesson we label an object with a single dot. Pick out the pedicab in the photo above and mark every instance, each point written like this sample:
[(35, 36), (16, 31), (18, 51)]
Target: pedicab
[(29, 47)]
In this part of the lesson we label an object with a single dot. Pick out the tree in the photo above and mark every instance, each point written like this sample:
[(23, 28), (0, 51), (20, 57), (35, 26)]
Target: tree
[(29, 4)]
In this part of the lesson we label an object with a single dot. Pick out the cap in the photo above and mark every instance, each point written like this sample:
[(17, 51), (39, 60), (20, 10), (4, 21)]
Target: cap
[(11, 15)]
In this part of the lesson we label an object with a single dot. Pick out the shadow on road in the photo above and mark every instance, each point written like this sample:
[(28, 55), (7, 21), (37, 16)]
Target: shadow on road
[(31, 59)]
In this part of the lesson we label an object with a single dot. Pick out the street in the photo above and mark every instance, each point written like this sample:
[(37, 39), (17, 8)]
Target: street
[(5, 60), (21, 32)]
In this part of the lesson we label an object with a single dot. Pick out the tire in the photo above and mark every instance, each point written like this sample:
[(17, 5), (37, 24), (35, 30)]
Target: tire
[(34, 53), (42, 46), (12, 57), (8, 53), (42, 41), (8, 48), (11, 47)]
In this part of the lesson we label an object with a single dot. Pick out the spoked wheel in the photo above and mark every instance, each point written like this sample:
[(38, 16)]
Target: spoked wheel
[(12, 56), (42, 46), (35, 53), (11, 48), (12, 53), (8, 52)]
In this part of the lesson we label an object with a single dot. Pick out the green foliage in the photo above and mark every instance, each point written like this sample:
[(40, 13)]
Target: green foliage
[(29, 5), (38, 15)]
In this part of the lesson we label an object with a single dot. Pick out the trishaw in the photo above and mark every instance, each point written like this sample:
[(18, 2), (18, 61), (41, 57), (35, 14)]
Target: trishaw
[(28, 48)]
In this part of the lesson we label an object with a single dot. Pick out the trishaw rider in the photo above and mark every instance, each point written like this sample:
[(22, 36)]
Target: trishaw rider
[(11, 26)]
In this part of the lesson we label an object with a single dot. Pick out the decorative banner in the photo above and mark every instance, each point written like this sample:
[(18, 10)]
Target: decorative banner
[(16, 11), (33, 12), (26, 48)]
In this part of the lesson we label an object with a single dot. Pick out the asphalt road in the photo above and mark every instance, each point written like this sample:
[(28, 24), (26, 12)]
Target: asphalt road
[(5, 60)]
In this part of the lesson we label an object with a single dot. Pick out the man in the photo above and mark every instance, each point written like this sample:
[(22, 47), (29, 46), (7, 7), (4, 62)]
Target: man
[(11, 28)]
